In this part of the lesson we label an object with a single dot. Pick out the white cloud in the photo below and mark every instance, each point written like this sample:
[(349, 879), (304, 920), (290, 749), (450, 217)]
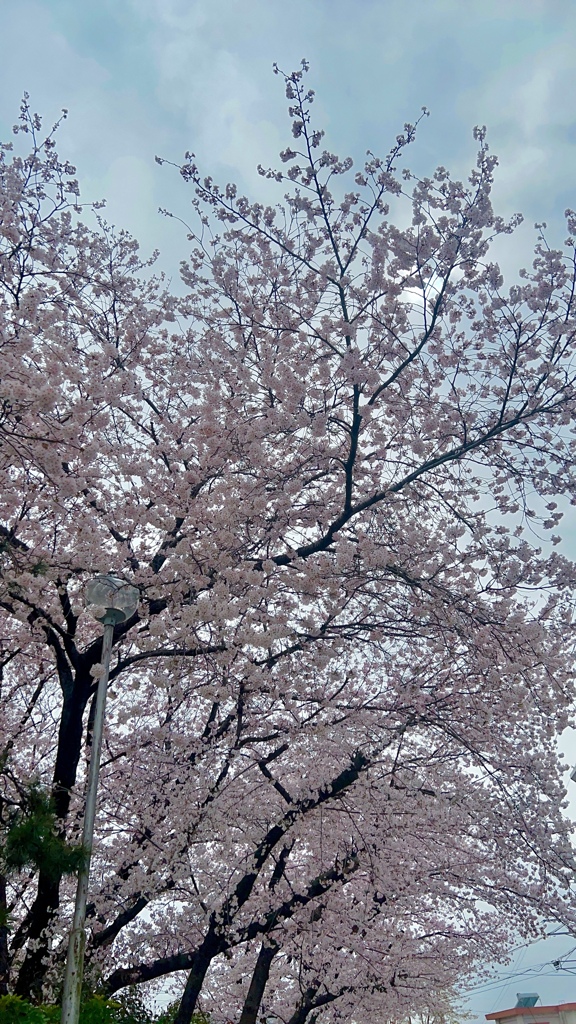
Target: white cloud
[(217, 95), (43, 63), (531, 114)]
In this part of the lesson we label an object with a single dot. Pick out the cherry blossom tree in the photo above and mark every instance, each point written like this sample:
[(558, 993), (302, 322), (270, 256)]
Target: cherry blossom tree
[(333, 468)]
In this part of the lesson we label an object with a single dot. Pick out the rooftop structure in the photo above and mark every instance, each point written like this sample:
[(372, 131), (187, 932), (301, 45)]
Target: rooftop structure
[(526, 1012)]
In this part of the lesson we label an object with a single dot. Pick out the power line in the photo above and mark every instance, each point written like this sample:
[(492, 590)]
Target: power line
[(502, 979)]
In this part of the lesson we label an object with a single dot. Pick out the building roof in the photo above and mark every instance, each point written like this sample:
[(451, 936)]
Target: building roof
[(532, 1011)]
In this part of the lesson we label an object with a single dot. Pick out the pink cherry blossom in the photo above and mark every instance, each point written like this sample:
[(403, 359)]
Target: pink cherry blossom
[(330, 784)]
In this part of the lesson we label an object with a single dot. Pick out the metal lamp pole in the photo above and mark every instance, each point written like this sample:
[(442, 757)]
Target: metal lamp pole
[(111, 601)]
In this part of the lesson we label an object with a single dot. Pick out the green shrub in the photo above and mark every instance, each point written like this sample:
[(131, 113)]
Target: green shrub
[(14, 1010), (169, 1014), (96, 1010), (51, 1014), (127, 1009)]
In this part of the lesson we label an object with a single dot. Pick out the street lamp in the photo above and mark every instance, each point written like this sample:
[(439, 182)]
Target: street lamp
[(111, 601)]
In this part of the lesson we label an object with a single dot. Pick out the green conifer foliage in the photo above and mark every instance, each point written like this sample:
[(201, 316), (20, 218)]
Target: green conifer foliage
[(32, 840)]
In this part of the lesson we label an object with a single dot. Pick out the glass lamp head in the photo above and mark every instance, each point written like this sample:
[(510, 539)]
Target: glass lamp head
[(110, 599)]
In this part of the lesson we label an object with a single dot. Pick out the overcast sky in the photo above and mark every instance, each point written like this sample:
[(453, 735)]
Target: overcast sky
[(146, 77), (142, 77)]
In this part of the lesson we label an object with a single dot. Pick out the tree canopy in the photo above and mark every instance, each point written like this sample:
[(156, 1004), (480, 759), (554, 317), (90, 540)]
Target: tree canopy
[(333, 466)]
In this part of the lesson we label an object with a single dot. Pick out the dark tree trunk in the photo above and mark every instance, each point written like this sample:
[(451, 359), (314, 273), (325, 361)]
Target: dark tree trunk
[(304, 1008), (31, 975), (4, 958), (258, 983), (203, 957), (310, 1002), (33, 928)]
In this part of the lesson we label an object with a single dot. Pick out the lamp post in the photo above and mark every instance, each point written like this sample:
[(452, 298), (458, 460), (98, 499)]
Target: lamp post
[(111, 601)]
